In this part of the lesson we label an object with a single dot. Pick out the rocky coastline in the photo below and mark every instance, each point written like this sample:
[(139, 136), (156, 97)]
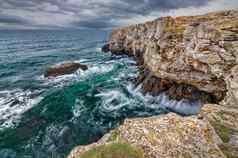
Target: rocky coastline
[(188, 57), (193, 58)]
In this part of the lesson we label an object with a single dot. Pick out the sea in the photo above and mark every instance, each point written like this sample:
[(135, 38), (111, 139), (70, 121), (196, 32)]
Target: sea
[(47, 117)]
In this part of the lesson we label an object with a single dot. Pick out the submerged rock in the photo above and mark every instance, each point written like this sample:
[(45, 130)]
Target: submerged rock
[(63, 69), (187, 57)]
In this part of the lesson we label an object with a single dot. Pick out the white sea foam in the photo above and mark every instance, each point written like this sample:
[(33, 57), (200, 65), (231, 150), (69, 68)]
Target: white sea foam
[(63, 80), (96, 69), (113, 100), (13, 104), (98, 49), (79, 108), (64, 62), (184, 106)]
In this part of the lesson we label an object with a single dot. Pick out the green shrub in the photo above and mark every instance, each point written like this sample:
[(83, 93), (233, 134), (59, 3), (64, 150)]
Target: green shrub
[(114, 150)]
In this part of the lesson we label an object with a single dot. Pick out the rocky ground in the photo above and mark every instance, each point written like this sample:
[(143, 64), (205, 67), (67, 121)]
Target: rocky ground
[(188, 58)]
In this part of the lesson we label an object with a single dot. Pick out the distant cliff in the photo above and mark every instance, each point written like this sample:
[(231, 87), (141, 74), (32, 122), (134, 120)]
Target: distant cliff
[(186, 57)]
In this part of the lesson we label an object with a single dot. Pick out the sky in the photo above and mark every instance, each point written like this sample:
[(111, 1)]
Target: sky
[(98, 14)]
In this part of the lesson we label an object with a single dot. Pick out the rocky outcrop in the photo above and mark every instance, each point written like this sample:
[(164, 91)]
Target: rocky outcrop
[(63, 69), (231, 99), (225, 123), (165, 136), (186, 57)]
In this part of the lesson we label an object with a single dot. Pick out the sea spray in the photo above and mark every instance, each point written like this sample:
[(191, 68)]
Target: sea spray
[(184, 106)]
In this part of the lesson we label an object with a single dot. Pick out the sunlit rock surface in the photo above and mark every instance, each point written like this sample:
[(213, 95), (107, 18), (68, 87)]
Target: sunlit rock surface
[(224, 120), (231, 99), (188, 57), (165, 136)]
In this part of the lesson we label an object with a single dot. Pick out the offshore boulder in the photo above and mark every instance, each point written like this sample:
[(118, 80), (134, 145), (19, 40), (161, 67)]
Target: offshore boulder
[(64, 68), (186, 57)]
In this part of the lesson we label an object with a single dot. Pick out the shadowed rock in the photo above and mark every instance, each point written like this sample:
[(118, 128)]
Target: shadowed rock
[(105, 48)]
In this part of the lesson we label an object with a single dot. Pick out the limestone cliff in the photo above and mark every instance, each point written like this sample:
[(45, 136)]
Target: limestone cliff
[(187, 57)]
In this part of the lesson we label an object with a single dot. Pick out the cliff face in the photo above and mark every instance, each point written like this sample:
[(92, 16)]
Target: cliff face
[(186, 57)]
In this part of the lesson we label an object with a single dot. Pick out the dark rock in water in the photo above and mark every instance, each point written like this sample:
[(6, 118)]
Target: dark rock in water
[(105, 48), (63, 69)]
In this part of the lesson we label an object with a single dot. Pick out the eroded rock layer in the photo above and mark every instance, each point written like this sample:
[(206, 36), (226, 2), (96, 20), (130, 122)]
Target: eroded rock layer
[(186, 57)]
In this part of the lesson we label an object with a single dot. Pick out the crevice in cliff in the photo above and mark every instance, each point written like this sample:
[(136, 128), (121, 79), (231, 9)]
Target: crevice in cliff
[(178, 97), (177, 91), (154, 86)]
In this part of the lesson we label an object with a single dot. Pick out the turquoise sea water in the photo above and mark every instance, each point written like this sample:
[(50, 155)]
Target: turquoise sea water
[(42, 117)]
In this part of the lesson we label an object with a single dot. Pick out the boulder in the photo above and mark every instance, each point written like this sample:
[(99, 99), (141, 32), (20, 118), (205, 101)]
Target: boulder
[(63, 69)]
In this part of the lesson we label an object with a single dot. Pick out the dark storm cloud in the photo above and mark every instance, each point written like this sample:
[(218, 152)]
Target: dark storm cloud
[(85, 13), (97, 23), (126, 9), (21, 3), (6, 19), (146, 6)]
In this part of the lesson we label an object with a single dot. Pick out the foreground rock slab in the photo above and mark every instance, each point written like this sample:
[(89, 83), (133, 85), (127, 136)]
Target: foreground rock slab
[(64, 68), (165, 136)]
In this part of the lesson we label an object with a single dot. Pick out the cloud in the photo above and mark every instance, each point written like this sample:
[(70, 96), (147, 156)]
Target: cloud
[(6, 19), (92, 24), (100, 13)]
